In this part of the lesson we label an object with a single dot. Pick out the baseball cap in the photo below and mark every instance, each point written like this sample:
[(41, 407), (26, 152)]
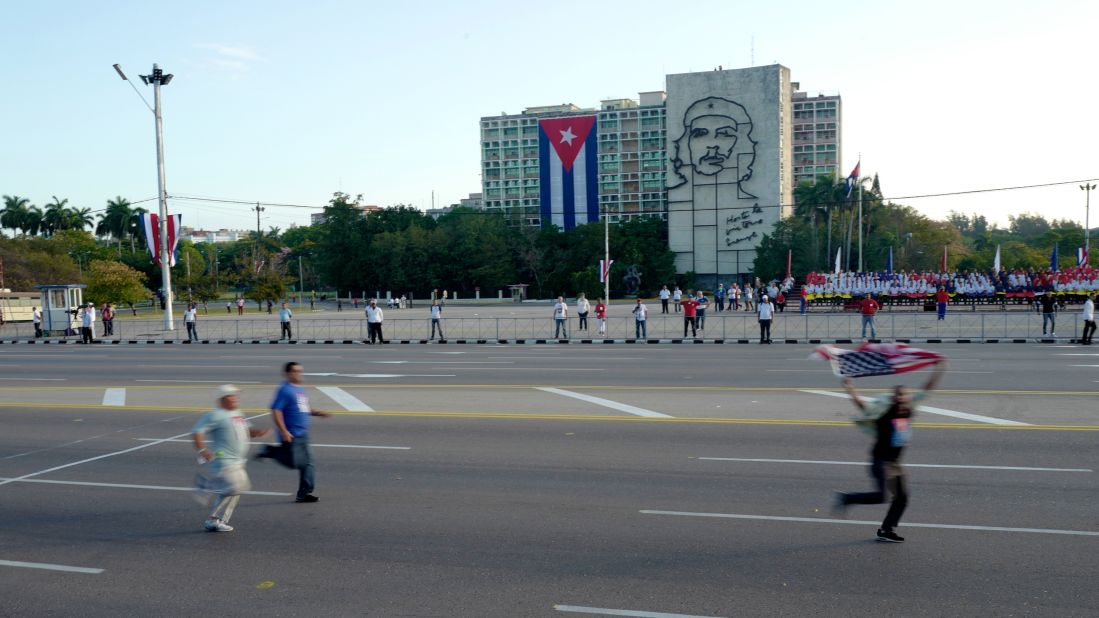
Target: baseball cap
[(227, 389)]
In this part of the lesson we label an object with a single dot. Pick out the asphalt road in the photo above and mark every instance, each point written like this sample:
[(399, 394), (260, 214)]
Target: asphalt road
[(547, 481)]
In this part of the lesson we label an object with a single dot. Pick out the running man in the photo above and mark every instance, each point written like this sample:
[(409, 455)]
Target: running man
[(290, 410), (222, 439), (889, 417)]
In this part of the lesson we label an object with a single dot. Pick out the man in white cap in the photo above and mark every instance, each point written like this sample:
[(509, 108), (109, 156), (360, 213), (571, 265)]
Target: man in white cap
[(87, 323), (224, 456)]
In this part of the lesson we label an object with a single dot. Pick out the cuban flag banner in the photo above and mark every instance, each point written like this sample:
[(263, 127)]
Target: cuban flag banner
[(876, 359), (604, 270), (150, 225), (1081, 256), (852, 179), (568, 171)]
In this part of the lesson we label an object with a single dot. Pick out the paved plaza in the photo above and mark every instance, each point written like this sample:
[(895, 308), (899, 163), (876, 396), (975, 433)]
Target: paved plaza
[(518, 480)]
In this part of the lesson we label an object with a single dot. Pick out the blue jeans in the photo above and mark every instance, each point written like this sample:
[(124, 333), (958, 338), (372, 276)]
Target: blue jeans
[(701, 321), (639, 329), (561, 329), (869, 319), (941, 307), (296, 455), (1051, 318)]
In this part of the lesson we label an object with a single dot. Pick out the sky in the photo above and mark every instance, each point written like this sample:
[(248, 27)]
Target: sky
[(288, 102)]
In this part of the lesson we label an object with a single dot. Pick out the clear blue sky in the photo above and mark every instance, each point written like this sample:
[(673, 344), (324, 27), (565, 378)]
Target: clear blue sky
[(291, 101)]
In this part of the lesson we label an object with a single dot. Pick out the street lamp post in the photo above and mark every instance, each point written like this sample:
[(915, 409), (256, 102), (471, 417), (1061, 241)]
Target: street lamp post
[(1087, 188), (158, 78)]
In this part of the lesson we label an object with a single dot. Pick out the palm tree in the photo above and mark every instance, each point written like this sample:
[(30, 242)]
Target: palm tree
[(78, 218), (54, 218), (15, 211), (115, 221), (32, 222), (133, 226)]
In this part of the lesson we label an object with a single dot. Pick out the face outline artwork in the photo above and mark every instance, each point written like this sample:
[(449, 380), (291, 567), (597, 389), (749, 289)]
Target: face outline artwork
[(716, 143)]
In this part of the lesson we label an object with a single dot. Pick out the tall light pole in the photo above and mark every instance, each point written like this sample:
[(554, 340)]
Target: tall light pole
[(158, 78), (1087, 188)]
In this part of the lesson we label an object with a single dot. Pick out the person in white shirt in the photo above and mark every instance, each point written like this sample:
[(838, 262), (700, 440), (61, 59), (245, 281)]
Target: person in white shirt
[(374, 318), (436, 317), (87, 324), (664, 296), (766, 312), (1089, 319), (677, 296), (640, 314), (36, 317), (582, 309), (560, 319), (189, 317)]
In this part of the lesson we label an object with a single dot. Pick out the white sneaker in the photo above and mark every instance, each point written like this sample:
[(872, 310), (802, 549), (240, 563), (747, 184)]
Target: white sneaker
[(216, 525)]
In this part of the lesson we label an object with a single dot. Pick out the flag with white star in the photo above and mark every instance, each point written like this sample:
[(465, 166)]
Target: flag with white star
[(568, 171)]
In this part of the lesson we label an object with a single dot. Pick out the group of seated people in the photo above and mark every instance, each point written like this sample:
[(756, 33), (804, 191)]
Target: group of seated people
[(902, 286)]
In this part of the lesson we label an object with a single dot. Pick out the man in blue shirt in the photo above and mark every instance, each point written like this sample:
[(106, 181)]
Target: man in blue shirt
[(290, 411)]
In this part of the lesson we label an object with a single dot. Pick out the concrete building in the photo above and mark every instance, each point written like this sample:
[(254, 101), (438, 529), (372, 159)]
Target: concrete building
[(222, 235), (317, 218), (818, 136)]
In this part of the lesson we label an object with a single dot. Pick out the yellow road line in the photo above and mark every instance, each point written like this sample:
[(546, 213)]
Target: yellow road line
[(567, 417)]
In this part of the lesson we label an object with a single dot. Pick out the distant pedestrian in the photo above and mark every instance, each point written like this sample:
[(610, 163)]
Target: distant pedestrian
[(229, 307), (374, 319), (804, 300), (291, 413), (601, 315), (690, 315), (1089, 319), (677, 296), (664, 296), (868, 307), (941, 300), (734, 298), (36, 317), (339, 304), (640, 316), (583, 307), (748, 296), (269, 306), (700, 315), (1049, 312), (719, 296), (222, 439), (766, 312), (189, 318), (560, 319), (108, 319), (890, 418), (240, 306), (87, 323), (285, 316), (437, 319)]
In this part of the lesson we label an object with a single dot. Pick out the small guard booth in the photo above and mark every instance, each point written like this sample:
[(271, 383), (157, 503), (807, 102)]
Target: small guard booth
[(60, 306)]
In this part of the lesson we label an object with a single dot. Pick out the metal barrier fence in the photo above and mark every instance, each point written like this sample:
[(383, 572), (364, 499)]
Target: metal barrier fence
[(910, 326)]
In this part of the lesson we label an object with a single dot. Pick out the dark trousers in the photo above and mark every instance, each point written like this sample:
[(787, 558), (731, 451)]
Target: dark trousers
[(583, 321), (192, 332), (286, 332), (375, 329), (692, 322), (86, 334), (721, 304), (1089, 330), (298, 456), (664, 305), (639, 331), (765, 331), (435, 323), (108, 327), (38, 331), (888, 477)]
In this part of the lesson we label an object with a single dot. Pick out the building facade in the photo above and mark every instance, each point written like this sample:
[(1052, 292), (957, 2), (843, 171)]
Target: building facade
[(818, 134)]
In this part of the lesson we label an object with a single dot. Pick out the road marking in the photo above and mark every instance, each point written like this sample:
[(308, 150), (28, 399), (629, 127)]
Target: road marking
[(406, 362), (855, 522), (907, 465), (599, 401), (387, 448), (1075, 354), (1083, 365), (49, 567), (603, 611), (129, 486), (381, 375), (36, 379), (199, 381), (932, 410), (114, 397), (544, 369), (345, 399)]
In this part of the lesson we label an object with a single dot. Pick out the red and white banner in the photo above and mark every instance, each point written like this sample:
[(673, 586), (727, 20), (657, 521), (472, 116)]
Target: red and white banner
[(150, 225), (604, 270)]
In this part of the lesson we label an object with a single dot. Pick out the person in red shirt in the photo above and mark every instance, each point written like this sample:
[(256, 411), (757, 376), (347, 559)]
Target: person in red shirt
[(868, 307), (690, 314), (601, 316), (941, 299), (780, 302)]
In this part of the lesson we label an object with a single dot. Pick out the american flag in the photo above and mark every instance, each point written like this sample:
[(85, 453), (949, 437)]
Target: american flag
[(876, 359)]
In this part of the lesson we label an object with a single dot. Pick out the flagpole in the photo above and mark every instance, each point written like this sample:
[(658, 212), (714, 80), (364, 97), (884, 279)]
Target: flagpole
[(859, 180), (606, 258)]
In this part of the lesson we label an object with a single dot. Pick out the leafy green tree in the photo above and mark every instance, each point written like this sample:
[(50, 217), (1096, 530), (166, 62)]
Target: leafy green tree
[(114, 282), (14, 213)]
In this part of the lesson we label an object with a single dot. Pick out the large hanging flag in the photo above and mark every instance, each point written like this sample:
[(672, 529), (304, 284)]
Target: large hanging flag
[(1053, 259), (1081, 256), (889, 263), (876, 359), (604, 270), (996, 260), (837, 270), (568, 171), (853, 179), (150, 225)]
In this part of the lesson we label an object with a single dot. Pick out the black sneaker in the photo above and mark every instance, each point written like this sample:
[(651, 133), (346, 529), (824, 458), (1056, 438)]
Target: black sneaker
[(308, 498), (888, 536)]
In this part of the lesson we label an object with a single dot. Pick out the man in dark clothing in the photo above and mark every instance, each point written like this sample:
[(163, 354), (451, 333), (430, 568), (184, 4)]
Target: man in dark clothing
[(1049, 312), (889, 417)]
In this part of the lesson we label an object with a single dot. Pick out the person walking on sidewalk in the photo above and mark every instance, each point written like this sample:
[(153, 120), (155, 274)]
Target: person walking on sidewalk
[(890, 418), (291, 413), (284, 319), (1089, 319), (222, 439), (374, 319), (36, 317)]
